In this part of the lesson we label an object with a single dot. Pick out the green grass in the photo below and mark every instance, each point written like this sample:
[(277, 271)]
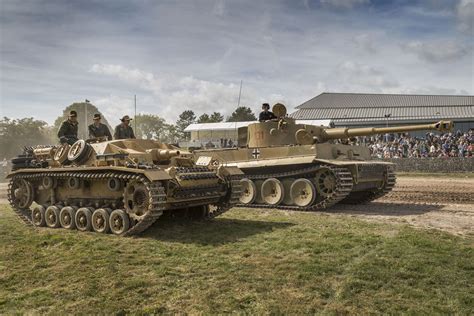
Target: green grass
[(244, 262)]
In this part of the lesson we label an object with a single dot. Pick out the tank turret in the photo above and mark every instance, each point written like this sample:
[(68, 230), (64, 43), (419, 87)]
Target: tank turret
[(285, 131)]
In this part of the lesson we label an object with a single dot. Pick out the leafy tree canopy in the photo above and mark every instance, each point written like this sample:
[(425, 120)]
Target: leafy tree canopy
[(242, 114)]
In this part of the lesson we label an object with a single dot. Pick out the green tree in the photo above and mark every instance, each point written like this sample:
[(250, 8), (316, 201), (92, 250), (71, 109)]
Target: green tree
[(242, 114), (216, 117), (204, 118), (151, 126), (184, 120), (18, 133)]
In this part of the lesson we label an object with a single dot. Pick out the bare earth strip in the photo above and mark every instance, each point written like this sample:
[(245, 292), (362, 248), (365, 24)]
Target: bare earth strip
[(428, 202), (441, 203)]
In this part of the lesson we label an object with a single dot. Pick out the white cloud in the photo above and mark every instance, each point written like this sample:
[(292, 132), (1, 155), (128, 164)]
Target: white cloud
[(465, 14), (343, 4), (437, 52), (366, 42), (354, 75)]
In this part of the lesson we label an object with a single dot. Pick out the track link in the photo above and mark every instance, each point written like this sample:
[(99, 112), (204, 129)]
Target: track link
[(362, 197)]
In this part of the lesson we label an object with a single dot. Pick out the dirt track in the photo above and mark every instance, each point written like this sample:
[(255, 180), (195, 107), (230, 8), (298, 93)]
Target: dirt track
[(440, 203)]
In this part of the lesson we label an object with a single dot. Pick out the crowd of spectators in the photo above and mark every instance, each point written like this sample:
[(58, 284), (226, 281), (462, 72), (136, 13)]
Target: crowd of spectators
[(456, 144)]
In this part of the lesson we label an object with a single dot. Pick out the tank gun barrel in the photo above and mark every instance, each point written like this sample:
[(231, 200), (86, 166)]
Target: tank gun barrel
[(335, 133)]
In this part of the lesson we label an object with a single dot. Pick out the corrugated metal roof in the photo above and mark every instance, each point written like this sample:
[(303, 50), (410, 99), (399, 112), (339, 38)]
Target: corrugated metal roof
[(235, 125), (396, 113), (364, 100)]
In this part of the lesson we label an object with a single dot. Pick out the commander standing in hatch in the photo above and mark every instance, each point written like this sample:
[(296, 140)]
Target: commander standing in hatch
[(67, 132), (266, 114), (124, 130)]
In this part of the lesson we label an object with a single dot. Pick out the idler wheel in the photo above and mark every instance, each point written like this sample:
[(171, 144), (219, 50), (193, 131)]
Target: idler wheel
[(67, 217), (287, 188), (119, 222), (258, 198), (100, 220), (302, 192), (83, 219), (74, 183), (114, 184), (38, 217), (326, 182), (249, 191), (272, 191), (22, 193), (49, 182), (79, 151), (52, 216), (136, 199)]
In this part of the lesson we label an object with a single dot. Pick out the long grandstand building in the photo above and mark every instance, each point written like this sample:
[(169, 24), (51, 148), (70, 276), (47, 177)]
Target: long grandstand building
[(361, 110)]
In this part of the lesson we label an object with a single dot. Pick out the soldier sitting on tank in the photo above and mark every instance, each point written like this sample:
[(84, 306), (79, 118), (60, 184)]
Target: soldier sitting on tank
[(124, 130), (266, 114), (97, 130), (67, 133)]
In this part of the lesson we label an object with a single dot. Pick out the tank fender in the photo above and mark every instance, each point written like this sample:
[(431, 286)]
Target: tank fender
[(228, 171), (157, 175)]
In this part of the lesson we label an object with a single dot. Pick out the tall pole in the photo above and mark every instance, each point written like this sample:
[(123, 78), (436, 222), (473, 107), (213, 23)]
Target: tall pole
[(85, 120), (135, 114), (240, 92)]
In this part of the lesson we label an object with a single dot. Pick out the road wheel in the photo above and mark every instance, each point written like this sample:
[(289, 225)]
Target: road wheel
[(326, 182), (302, 192), (249, 191), (52, 216), (119, 222), (287, 188), (258, 198), (67, 217), (38, 217), (100, 220), (83, 219), (272, 191)]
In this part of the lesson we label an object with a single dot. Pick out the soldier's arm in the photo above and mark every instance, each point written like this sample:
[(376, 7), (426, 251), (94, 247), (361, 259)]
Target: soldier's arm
[(132, 134), (61, 130), (91, 132), (107, 133), (116, 133)]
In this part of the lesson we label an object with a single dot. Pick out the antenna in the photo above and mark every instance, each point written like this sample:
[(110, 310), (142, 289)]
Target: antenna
[(240, 92)]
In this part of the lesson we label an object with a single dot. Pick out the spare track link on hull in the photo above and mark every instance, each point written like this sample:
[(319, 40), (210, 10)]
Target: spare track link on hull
[(344, 187), (236, 191), (155, 207), (362, 197)]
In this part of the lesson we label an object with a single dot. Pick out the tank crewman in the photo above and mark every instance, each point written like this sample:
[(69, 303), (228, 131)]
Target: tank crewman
[(99, 130), (266, 114), (68, 130), (124, 130)]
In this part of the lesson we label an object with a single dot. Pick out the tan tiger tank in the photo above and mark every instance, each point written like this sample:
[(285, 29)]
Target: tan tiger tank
[(120, 186), (302, 167)]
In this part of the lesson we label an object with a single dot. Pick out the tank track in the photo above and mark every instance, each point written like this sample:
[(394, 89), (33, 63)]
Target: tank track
[(235, 192), (343, 189), (362, 197), (157, 198)]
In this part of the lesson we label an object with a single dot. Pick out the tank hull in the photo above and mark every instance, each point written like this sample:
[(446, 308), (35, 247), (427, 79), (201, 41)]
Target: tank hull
[(324, 175)]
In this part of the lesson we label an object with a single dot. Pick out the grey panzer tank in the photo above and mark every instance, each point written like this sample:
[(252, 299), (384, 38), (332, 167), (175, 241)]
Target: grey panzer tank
[(305, 167), (120, 186)]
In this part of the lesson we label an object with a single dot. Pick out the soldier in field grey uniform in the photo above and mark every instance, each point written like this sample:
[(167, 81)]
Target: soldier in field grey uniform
[(124, 130), (67, 132), (99, 130)]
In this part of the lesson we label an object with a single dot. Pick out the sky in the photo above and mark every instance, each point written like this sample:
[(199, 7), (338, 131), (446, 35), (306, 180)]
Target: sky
[(180, 55)]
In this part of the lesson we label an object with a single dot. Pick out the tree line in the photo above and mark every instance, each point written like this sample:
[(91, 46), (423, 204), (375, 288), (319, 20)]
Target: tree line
[(18, 133)]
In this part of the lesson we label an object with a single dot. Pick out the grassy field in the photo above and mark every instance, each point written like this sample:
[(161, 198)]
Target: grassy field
[(245, 262)]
